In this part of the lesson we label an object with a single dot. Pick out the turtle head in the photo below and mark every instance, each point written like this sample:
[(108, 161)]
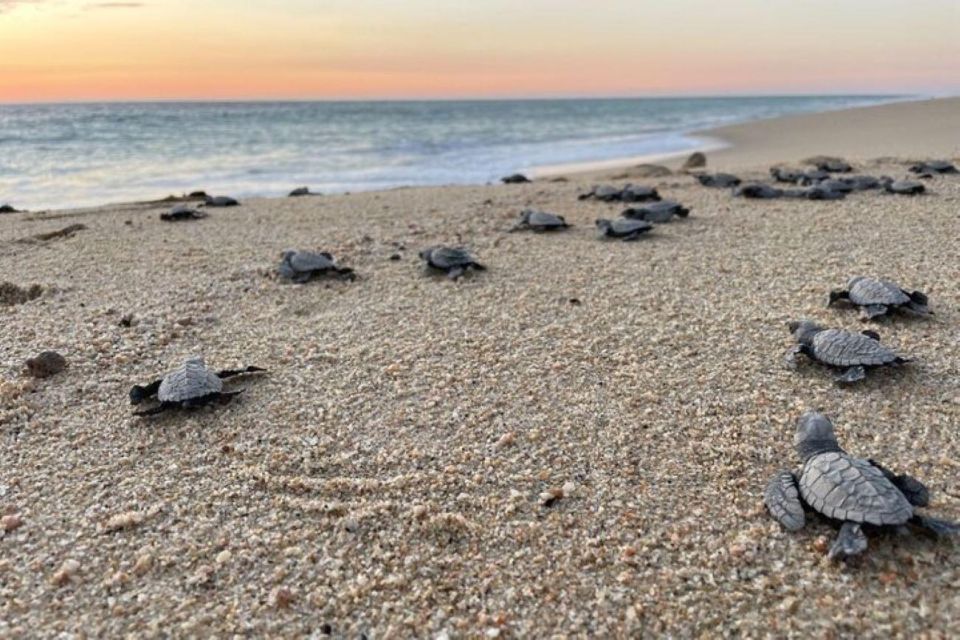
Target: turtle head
[(603, 224), (195, 360), (426, 253), (814, 435), (138, 394), (288, 255), (804, 330)]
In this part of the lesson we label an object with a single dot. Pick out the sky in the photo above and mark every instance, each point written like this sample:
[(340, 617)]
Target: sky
[(64, 50)]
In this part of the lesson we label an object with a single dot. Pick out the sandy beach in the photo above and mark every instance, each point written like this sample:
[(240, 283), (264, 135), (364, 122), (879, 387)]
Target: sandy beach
[(573, 443)]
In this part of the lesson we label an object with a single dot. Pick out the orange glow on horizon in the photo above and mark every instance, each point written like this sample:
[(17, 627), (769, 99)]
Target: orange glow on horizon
[(178, 49)]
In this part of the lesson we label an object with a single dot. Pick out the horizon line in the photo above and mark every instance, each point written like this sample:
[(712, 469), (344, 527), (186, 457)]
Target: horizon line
[(692, 96)]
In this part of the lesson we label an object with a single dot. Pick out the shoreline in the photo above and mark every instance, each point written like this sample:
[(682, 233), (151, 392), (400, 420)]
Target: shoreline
[(733, 143)]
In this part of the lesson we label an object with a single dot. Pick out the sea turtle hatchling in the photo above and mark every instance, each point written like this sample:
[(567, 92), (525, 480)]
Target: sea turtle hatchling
[(454, 261), (903, 187), (220, 201), (854, 492), (182, 212), (851, 352), (539, 221), (662, 211), (718, 180), (623, 228), (931, 168), (188, 386), (880, 297), (301, 266), (757, 191)]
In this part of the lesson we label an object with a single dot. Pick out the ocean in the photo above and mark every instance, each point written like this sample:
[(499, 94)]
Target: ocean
[(73, 155)]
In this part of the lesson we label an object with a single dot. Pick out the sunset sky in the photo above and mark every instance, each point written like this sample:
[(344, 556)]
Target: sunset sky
[(235, 49)]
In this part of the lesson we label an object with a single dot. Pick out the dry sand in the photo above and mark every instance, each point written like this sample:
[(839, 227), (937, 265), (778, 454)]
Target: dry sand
[(387, 477)]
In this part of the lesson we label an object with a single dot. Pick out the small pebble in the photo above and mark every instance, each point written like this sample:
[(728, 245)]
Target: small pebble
[(10, 522), (46, 364)]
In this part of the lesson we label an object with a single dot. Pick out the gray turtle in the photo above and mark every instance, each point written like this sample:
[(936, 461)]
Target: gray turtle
[(623, 228), (830, 164), (188, 386), (854, 492), (540, 221), (880, 297), (812, 176), (516, 178), (220, 201), (301, 266), (784, 174), (183, 212), (662, 211), (6, 208), (931, 168), (815, 192), (861, 183), (757, 191), (638, 193), (604, 193), (851, 352), (299, 192), (902, 187), (718, 180), (454, 261)]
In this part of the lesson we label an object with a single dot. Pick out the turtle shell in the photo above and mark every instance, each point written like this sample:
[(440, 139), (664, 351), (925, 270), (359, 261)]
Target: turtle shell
[(865, 291), (661, 211), (624, 227), (846, 488), (543, 220), (448, 257), (638, 193), (844, 349), (307, 261), (189, 381)]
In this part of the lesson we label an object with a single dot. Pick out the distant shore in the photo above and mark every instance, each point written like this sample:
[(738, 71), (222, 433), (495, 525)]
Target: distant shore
[(911, 129)]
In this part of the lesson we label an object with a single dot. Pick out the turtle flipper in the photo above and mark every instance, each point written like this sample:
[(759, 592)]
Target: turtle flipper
[(455, 272), (913, 490), (852, 374), (160, 408), (936, 526), (227, 373), (850, 541), (790, 360), (782, 499), (871, 311), (873, 335), (477, 266)]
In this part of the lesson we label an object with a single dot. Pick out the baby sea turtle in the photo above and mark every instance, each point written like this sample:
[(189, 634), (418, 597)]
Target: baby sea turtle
[(301, 266), (623, 228), (880, 297), (182, 212), (189, 385), (784, 174), (6, 208), (540, 221), (903, 187), (516, 178), (756, 191), (718, 180), (861, 183), (221, 201), (453, 260), (638, 193), (830, 164), (933, 167), (604, 193), (853, 353), (816, 192), (662, 211), (299, 191), (854, 492)]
